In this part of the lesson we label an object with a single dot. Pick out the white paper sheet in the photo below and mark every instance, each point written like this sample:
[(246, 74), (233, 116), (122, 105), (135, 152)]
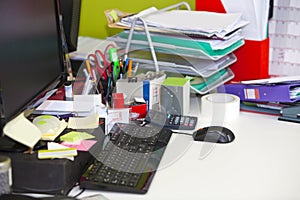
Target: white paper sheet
[(256, 12)]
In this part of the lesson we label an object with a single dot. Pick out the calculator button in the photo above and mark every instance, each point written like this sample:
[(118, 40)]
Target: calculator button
[(192, 122), (177, 120), (186, 122), (181, 120)]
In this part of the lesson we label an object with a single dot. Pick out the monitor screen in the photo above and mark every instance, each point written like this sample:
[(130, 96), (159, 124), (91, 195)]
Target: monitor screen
[(30, 51)]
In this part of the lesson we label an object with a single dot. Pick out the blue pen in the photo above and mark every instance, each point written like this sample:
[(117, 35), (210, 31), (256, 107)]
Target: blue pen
[(126, 65), (65, 116)]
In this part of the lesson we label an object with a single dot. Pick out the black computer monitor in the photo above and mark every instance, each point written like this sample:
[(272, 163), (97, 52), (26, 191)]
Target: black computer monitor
[(30, 51), (70, 10)]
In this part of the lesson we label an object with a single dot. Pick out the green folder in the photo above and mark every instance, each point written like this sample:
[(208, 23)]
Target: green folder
[(184, 45)]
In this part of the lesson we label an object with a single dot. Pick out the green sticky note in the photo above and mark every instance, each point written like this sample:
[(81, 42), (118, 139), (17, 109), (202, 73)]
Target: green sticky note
[(75, 136), (175, 81), (114, 15)]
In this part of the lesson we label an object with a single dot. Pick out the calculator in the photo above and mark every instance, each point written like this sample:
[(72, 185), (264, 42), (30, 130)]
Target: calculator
[(171, 121)]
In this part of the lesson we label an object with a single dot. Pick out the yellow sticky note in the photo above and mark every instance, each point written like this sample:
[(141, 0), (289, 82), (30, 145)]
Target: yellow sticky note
[(57, 153), (89, 122), (74, 136)]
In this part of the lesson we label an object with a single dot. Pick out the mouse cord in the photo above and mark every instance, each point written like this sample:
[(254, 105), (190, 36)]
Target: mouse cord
[(182, 133)]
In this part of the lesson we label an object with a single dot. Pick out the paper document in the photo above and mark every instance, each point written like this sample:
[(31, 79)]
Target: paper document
[(63, 107), (219, 24), (256, 12), (282, 79), (87, 45)]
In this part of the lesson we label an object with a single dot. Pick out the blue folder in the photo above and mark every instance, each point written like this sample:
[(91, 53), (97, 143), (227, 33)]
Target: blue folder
[(264, 93)]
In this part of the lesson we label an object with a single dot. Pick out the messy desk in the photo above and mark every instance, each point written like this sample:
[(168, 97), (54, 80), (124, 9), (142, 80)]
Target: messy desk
[(254, 155), (260, 163)]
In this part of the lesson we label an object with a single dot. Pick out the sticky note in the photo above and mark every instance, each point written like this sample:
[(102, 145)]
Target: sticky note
[(89, 122), (74, 136), (57, 153), (83, 145), (22, 130), (114, 15)]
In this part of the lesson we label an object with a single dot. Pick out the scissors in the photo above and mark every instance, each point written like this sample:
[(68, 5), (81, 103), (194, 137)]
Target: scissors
[(100, 63)]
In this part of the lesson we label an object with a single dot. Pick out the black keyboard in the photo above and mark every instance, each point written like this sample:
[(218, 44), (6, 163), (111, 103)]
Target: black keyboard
[(129, 159)]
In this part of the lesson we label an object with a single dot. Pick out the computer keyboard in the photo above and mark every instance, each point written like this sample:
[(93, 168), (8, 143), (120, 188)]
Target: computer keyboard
[(129, 159)]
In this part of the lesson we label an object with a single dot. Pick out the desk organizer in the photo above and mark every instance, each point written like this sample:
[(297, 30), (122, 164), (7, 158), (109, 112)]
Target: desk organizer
[(153, 48)]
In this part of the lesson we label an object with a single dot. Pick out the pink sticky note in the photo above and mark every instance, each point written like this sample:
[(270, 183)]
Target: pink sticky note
[(82, 145)]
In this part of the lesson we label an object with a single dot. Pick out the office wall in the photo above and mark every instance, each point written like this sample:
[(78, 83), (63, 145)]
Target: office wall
[(93, 22)]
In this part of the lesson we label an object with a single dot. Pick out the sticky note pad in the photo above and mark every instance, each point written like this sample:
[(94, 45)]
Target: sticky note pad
[(89, 122), (74, 136), (83, 145), (57, 153)]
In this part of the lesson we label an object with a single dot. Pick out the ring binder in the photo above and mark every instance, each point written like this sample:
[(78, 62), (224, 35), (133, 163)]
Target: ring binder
[(264, 93)]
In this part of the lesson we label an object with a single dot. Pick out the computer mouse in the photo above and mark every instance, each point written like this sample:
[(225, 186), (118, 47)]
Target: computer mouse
[(214, 134)]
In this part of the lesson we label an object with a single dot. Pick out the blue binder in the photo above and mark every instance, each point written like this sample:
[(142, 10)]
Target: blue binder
[(264, 93)]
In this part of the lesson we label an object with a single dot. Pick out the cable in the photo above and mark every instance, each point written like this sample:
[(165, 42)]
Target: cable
[(79, 193), (182, 133)]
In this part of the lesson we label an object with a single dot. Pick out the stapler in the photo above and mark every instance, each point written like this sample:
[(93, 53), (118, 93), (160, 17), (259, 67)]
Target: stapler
[(290, 114)]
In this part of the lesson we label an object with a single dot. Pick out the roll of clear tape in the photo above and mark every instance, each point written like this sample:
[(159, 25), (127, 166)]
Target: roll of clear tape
[(220, 107)]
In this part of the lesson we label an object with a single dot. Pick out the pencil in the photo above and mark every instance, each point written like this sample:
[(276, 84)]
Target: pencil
[(88, 66), (129, 70)]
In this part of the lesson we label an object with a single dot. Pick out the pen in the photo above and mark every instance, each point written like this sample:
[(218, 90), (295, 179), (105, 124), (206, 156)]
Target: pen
[(121, 72), (135, 68), (125, 65)]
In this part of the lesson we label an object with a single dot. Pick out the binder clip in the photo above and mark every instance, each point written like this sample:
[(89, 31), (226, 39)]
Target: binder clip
[(290, 114)]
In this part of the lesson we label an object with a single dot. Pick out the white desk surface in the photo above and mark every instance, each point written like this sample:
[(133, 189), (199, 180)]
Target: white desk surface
[(263, 162)]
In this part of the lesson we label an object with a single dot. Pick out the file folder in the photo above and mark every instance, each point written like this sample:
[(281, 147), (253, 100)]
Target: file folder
[(252, 58), (184, 46), (263, 93)]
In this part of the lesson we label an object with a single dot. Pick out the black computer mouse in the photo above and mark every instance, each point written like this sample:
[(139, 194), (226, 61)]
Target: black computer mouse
[(215, 134)]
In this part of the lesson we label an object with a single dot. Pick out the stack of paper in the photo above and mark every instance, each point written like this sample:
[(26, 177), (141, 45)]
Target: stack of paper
[(204, 23)]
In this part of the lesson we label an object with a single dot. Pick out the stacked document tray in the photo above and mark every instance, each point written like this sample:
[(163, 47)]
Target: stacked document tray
[(212, 72), (203, 57)]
